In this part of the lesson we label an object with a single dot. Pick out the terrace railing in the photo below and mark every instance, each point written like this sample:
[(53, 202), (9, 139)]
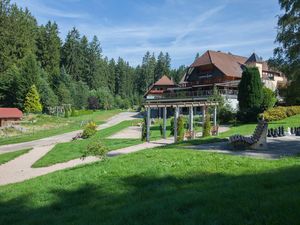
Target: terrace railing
[(195, 94)]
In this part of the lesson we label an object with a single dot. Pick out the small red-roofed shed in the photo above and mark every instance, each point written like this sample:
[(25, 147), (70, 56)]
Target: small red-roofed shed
[(9, 115)]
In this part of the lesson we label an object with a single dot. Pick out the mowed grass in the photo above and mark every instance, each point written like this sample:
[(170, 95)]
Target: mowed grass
[(5, 157), (72, 150), (59, 125), (160, 186)]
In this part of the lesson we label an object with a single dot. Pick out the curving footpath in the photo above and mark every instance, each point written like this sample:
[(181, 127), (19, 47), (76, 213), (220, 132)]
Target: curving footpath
[(19, 169)]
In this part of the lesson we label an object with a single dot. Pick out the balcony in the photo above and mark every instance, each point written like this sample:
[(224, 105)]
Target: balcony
[(191, 95)]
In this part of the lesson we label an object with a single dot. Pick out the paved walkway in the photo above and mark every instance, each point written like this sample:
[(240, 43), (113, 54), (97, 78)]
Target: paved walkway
[(19, 169), (277, 148), (66, 137)]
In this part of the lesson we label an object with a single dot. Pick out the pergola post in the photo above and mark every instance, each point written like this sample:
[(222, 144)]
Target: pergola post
[(175, 123), (203, 114), (215, 116), (164, 122), (148, 124), (191, 118)]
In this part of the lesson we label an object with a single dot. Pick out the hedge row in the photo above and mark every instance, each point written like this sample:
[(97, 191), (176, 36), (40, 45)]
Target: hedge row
[(279, 113)]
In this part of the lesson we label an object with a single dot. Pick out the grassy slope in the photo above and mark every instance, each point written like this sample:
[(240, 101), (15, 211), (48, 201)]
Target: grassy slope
[(71, 150), (160, 186), (72, 123), (5, 157)]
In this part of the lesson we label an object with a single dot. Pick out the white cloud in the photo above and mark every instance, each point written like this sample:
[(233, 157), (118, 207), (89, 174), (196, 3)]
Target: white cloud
[(38, 7)]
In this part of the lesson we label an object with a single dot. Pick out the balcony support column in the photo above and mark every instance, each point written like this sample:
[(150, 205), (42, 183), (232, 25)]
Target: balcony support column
[(175, 123), (148, 124), (191, 120), (215, 116), (164, 122)]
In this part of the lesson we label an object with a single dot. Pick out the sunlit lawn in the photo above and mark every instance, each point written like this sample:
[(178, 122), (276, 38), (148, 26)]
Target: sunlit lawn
[(57, 125), (160, 186)]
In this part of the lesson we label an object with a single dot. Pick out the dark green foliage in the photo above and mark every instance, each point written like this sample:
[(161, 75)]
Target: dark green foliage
[(180, 128), (144, 129), (64, 94), (163, 65), (250, 94), (172, 126), (48, 98), (226, 115), (48, 49), (66, 73), (287, 55), (293, 91), (93, 103), (206, 126)]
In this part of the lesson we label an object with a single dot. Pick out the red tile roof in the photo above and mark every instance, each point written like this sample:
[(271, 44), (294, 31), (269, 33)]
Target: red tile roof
[(228, 63), (164, 80), (12, 113)]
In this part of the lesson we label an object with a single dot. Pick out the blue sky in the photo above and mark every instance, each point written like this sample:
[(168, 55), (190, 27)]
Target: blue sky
[(181, 27)]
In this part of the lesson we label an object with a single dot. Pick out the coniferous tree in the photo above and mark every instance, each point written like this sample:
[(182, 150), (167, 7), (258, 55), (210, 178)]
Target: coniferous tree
[(48, 49), (250, 94), (72, 55), (32, 102)]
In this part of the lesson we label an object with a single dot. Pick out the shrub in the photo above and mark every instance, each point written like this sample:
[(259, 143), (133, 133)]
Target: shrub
[(32, 102), (144, 129), (95, 149), (93, 103), (279, 113), (172, 126), (206, 126), (269, 98), (74, 112), (226, 115), (180, 128), (89, 130)]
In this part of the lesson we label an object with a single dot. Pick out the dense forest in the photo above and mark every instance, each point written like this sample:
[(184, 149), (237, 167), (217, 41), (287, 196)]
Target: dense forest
[(71, 71)]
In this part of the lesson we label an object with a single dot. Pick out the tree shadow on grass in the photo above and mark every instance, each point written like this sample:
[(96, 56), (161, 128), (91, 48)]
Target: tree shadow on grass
[(200, 198)]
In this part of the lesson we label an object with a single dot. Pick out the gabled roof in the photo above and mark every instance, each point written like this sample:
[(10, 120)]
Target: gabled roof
[(254, 58), (12, 113), (164, 80), (229, 64)]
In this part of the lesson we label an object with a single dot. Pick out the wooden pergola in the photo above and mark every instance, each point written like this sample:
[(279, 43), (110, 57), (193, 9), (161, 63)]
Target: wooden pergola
[(176, 106)]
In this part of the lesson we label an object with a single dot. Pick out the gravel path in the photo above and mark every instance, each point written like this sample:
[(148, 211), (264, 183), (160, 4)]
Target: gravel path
[(19, 169)]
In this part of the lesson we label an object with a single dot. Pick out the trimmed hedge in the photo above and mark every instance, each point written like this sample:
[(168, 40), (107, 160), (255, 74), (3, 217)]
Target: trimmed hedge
[(279, 113)]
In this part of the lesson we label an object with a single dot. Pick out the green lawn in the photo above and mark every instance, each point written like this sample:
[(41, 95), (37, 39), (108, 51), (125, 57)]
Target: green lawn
[(52, 125), (160, 186), (5, 157), (71, 150)]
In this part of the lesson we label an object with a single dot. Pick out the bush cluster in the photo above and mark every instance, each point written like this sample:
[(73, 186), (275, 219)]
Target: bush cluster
[(279, 113), (206, 126), (226, 115), (95, 149), (180, 128), (89, 130)]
